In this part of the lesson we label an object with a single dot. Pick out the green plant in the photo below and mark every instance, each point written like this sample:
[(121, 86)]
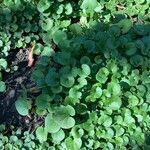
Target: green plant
[(19, 139), (106, 87), (93, 72)]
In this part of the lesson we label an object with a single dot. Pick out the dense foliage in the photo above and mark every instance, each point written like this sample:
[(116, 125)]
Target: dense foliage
[(93, 72)]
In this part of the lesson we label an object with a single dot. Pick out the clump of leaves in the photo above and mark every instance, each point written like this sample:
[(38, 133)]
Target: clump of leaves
[(105, 89), (94, 82), (17, 139)]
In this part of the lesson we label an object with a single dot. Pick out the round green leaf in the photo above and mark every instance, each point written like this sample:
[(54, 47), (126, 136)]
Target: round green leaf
[(23, 106), (71, 110), (125, 25), (130, 49), (47, 24), (67, 81), (98, 92), (114, 103), (41, 134), (42, 101), (119, 130), (68, 8), (62, 116), (136, 60), (67, 123), (43, 5), (114, 88), (102, 75), (38, 48), (58, 136), (85, 71), (3, 63), (51, 125), (2, 86), (89, 5), (59, 36), (52, 77), (73, 144), (133, 101), (77, 132), (47, 51)]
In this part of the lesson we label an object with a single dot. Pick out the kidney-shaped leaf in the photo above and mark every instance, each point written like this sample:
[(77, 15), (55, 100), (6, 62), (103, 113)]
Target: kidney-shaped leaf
[(51, 125), (102, 75), (58, 136), (62, 116), (52, 77), (59, 36), (67, 81), (23, 106), (41, 134), (67, 123), (43, 5)]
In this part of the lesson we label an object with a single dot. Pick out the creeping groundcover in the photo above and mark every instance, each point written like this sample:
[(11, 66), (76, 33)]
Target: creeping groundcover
[(75, 75)]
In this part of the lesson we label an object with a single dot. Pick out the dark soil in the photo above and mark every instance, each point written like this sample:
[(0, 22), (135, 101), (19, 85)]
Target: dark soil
[(14, 80)]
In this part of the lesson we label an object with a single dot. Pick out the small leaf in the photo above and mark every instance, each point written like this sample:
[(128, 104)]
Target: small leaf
[(102, 75), (65, 23), (38, 48), (52, 77), (133, 101), (125, 25), (2, 86), (67, 123), (119, 130), (41, 134), (58, 136), (47, 51), (90, 46), (130, 48), (85, 71), (115, 103), (77, 132), (89, 5), (43, 5), (62, 58), (105, 120), (3, 63), (59, 36), (73, 144), (98, 92), (67, 81), (85, 60), (51, 125), (62, 116), (82, 82), (68, 8), (75, 28), (74, 93), (42, 101), (47, 24), (71, 110), (110, 133), (136, 60), (23, 106), (114, 88), (60, 9)]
